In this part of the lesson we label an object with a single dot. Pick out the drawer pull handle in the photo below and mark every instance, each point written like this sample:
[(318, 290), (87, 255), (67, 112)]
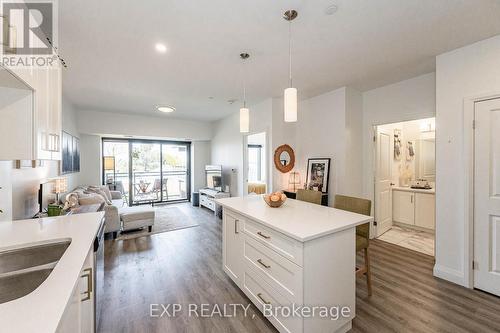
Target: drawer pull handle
[(262, 235), (236, 226), (262, 263), (259, 295), (88, 275)]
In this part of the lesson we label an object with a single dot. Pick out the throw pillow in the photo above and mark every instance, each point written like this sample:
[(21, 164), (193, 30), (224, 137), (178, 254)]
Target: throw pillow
[(100, 192), (91, 200), (105, 189)]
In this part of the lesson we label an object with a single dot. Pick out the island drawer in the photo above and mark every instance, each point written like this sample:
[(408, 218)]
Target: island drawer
[(278, 242), (282, 274), (263, 295)]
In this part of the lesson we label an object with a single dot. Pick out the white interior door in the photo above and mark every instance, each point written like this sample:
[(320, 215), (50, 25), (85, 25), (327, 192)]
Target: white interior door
[(487, 196), (383, 179)]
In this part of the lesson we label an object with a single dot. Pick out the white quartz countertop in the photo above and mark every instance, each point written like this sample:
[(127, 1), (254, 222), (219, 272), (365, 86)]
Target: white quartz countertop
[(414, 190), (300, 220), (42, 309)]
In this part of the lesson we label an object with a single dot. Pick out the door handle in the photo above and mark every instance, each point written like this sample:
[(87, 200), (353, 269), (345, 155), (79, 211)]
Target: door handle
[(263, 264), (88, 275), (262, 235), (411, 198), (236, 226), (392, 184)]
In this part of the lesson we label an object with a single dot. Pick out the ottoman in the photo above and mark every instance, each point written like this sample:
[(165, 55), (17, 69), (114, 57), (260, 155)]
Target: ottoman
[(137, 218)]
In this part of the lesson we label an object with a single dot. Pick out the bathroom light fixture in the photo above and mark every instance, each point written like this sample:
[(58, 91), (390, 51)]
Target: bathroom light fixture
[(244, 111), (290, 95), (165, 108), (161, 48)]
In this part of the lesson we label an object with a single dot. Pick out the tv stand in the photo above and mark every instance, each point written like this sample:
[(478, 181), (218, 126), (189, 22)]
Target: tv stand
[(207, 197)]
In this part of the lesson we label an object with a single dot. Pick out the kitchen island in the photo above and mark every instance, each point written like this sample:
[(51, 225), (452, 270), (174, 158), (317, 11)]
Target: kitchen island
[(55, 304), (300, 255)]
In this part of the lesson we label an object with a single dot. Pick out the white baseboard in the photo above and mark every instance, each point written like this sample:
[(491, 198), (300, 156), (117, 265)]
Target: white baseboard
[(450, 274)]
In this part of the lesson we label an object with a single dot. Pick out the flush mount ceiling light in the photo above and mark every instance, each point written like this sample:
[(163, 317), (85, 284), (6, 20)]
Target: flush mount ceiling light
[(160, 48), (165, 108), (244, 111), (290, 95)]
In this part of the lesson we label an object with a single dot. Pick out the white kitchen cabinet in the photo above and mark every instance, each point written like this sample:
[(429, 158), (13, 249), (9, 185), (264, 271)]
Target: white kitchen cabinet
[(232, 249), (425, 210), (31, 114), (414, 208), (284, 263), (403, 207), (79, 313)]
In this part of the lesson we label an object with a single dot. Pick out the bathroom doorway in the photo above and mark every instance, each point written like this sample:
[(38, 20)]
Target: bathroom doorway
[(404, 184)]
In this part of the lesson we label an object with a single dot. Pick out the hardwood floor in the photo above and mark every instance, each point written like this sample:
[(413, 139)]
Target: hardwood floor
[(185, 267)]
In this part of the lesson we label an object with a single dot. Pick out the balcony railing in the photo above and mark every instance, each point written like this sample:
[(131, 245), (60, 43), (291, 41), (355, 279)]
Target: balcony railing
[(153, 186)]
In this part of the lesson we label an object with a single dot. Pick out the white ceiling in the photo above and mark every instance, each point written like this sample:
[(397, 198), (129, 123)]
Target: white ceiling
[(113, 66)]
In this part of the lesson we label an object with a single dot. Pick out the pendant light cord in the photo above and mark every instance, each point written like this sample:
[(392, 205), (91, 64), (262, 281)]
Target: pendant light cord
[(244, 85), (290, 50)]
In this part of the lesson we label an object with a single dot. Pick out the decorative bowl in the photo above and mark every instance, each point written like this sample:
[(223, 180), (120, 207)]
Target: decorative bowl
[(275, 199)]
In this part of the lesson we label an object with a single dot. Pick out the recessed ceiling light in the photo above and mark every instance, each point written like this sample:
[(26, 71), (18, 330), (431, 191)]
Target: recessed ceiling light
[(165, 108), (161, 48), (332, 9)]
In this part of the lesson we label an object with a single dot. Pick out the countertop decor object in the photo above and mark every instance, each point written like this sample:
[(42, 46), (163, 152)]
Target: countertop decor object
[(275, 199)]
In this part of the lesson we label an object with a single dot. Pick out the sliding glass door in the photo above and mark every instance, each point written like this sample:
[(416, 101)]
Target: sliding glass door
[(158, 171), (175, 172)]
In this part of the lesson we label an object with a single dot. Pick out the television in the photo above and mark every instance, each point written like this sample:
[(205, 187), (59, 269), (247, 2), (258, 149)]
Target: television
[(214, 177)]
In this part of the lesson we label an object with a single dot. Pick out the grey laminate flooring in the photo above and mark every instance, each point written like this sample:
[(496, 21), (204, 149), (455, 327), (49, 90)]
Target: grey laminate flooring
[(185, 266)]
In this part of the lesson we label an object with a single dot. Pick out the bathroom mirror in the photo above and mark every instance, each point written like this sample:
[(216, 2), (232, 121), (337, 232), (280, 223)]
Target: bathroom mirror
[(425, 163), (284, 158)]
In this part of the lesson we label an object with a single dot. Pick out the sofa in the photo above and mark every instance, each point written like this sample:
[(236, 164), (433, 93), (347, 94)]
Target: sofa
[(87, 195)]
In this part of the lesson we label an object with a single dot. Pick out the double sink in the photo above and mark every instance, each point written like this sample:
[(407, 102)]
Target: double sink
[(22, 270)]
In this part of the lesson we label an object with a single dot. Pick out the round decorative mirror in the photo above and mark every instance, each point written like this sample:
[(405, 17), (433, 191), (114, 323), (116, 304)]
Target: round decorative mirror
[(284, 158)]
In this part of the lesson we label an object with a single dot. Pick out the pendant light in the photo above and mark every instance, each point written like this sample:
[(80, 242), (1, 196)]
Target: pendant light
[(244, 111), (290, 96)]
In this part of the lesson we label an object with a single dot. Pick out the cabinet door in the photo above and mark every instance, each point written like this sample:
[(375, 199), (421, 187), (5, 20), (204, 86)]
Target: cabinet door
[(87, 295), (42, 118), (55, 112), (232, 247), (403, 207), (70, 321), (425, 210)]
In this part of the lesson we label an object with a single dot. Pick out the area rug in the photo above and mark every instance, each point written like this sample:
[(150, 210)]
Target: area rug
[(167, 218)]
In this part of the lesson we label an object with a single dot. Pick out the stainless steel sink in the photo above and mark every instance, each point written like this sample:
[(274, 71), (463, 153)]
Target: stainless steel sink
[(22, 270)]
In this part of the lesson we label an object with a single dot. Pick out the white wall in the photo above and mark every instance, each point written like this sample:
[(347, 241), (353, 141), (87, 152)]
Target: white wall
[(90, 159), (200, 156), (469, 71), (329, 126), (406, 100), (69, 125), (321, 132), (227, 143), (109, 124)]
